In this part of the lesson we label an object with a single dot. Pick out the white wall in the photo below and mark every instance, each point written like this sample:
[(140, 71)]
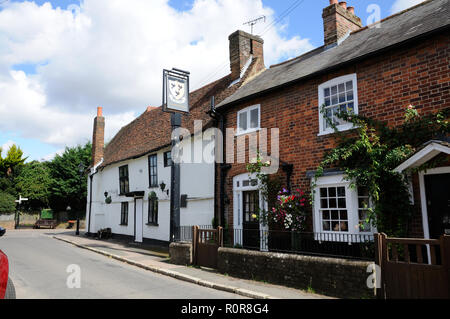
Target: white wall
[(197, 181)]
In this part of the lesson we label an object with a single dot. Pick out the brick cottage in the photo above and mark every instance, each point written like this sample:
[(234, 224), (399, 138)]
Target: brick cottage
[(374, 71)]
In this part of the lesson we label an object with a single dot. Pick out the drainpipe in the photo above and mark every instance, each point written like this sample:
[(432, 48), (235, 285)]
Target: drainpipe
[(223, 167)]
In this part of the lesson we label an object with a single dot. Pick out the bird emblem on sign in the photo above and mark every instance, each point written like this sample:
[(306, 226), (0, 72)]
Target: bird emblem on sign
[(177, 90)]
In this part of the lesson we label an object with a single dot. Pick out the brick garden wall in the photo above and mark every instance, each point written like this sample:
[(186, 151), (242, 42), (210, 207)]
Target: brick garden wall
[(417, 74), (329, 276)]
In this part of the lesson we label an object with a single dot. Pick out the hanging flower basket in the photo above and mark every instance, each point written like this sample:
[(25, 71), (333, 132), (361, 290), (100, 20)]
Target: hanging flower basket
[(289, 210), (108, 200)]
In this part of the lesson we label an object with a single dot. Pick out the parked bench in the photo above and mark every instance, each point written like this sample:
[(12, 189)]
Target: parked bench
[(50, 223)]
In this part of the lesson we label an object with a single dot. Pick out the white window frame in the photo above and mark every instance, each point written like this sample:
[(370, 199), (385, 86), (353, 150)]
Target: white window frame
[(351, 196), (333, 82), (248, 111)]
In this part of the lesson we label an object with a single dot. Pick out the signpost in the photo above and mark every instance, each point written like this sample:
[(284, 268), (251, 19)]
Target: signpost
[(17, 219), (176, 102)]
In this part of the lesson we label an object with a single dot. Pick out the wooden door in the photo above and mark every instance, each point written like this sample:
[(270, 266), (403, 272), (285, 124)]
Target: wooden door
[(250, 225)]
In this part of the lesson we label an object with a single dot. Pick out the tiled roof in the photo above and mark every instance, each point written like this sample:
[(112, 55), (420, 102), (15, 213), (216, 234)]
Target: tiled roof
[(397, 29)]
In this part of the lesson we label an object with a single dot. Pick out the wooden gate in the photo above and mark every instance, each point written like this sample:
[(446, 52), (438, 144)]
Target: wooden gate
[(413, 268), (205, 243)]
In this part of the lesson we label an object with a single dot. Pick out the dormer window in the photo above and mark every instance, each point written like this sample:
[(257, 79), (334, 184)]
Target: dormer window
[(339, 95), (248, 120)]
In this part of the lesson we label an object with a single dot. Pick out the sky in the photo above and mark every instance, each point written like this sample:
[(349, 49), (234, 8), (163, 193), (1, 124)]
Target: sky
[(61, 59)]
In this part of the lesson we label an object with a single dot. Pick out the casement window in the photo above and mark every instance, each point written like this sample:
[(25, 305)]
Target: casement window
[(153, 209), (340, 209), (168, 159), (337, 96), (248, 119), (153, 170), (123, 180), (124, 214)]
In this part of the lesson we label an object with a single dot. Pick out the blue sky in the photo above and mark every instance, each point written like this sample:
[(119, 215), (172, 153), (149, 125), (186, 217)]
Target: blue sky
[(304, 21)]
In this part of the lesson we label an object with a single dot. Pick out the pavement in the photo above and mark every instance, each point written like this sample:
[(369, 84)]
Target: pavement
[(156, 260), (43, 267)]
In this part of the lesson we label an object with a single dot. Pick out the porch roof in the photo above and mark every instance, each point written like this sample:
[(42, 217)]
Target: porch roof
[(428, 151)]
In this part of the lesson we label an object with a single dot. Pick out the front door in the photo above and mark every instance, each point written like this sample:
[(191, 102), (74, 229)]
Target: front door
[(250, 204), (437, 187), (138, 219)]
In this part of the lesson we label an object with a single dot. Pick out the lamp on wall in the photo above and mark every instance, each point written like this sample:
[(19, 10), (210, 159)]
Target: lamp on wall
[(106, 194), (162, 185)]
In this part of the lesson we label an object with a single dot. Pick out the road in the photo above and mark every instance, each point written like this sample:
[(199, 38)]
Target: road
[(38, 268)]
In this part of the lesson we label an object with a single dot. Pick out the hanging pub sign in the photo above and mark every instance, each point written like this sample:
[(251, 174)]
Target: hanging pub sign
[(175, 91)]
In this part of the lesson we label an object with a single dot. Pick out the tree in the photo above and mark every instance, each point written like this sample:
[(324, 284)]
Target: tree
[(68, 186), (12, 161), (34, 182), (7, 204)]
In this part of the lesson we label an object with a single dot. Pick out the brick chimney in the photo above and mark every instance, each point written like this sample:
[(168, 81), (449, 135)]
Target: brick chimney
[(338, 20), (244, 45), (98, 137)]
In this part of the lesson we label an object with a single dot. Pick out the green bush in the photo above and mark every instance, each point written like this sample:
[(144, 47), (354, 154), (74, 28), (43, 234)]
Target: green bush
[(7, 204)]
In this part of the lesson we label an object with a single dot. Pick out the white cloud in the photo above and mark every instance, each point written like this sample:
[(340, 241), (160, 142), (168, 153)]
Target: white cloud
[(50, 156), (400, 5), (111, 53), (5, 147)]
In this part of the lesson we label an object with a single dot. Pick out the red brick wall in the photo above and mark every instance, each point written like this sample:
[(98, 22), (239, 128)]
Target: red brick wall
[(417, 75)]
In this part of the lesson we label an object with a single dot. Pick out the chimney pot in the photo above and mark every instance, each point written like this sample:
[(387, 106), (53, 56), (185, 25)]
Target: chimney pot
[(351, 10), (333, 2), (99, 111), (343, 4)]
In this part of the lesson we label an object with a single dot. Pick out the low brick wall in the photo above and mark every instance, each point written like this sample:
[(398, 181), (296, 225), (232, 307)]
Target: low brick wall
[(329, 276), (180, 253)]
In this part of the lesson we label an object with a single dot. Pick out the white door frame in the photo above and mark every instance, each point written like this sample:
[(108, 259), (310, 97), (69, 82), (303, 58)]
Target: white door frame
[(238, 208), (423, 201), (138, 219)]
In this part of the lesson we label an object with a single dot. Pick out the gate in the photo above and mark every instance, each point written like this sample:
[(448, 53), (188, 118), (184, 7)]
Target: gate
[(205, 243), (413, 268)]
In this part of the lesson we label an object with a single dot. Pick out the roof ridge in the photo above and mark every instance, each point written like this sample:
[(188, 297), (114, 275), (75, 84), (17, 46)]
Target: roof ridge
[(356, 31), (392, 16)]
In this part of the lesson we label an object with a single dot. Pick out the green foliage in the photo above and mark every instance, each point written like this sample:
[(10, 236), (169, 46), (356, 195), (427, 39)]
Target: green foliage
[(34, 182), (7, 204), (69, 187), (268, 185), (12, 161), (369, 157)]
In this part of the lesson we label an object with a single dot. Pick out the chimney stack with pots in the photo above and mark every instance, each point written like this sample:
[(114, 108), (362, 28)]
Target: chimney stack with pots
[(338, 21)]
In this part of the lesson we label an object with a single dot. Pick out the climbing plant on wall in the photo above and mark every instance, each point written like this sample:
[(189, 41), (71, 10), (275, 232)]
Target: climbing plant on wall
[(369, 153)]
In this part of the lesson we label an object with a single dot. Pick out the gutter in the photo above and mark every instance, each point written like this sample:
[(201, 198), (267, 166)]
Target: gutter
[(334, 67)]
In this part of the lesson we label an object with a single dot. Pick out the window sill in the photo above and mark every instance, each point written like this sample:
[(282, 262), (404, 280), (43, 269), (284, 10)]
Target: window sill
[(341, 128), (123, 224), (248, 131), (152, 224)]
